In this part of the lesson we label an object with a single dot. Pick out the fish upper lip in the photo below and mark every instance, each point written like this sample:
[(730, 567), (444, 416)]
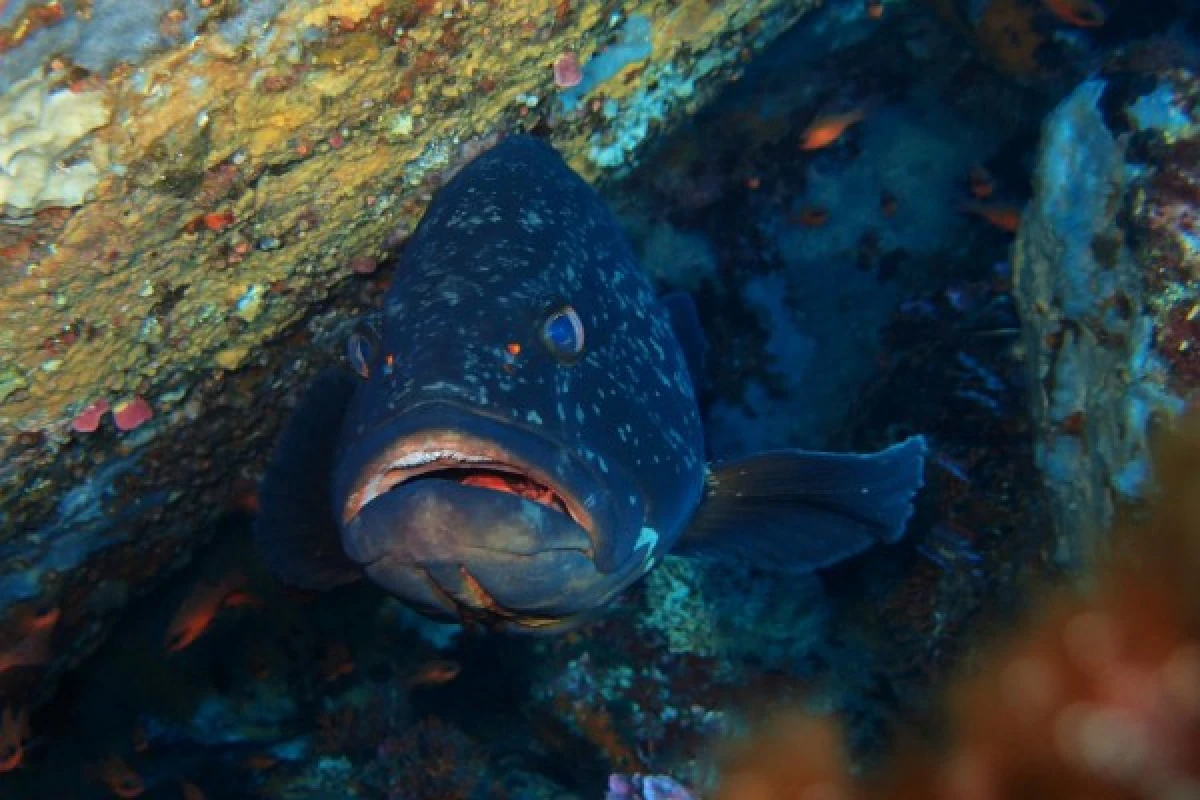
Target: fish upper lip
[(433, 450)]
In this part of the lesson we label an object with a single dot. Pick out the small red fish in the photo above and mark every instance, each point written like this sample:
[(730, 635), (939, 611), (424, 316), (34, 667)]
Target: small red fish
[(337, 661), (1005, 217), (191, 791), (1080, 13), (435, 672), (260, 762), (980, 183), (828, 128), (259, 665), (120, 778), (241, 599), (887, 203), (811, 216), (34, 649), (243, 495), (14, 733), (138, 738), (201, 607)]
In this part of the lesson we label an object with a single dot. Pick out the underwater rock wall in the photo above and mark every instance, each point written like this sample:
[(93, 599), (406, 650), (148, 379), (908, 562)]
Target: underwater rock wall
[(1106, 274), (196, 198)]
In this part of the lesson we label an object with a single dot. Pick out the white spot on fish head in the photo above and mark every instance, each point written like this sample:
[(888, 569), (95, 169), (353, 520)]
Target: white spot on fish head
[(530, 220), (648, 538)]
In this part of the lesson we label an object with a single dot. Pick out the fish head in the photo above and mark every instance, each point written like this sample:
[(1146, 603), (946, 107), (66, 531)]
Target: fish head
[(525, 442)]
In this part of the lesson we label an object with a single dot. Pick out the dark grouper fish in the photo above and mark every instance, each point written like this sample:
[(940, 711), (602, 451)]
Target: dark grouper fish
[(522, 440)]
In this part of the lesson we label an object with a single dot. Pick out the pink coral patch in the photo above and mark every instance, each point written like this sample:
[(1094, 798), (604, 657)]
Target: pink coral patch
[(129, 414), (88, 420), (566, 71)]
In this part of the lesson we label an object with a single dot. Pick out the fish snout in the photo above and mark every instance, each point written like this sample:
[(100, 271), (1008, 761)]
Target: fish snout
[(456, 550)]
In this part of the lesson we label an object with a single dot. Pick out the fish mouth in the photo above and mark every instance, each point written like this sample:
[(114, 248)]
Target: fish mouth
[(465, 515), (457, 458)]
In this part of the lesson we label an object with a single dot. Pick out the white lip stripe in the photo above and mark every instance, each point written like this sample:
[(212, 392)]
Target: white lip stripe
[(425, 456)]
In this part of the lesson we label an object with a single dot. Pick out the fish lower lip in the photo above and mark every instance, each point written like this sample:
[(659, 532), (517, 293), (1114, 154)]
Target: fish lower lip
[(434, 520), (539, 591)]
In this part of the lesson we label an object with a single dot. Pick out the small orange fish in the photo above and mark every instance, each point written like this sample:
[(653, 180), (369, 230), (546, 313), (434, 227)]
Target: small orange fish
[(260, 762), (435, 672), (1005, 217), (811, 217), (240, 599), (260, 666), (14, 732), (875, 9), (201, 607), (243, 495), (980, 183), (138, 739), (337, 661), (120, 779), (828, 128), (887, 203), (34, 649), (191, 791), (1080, 13)]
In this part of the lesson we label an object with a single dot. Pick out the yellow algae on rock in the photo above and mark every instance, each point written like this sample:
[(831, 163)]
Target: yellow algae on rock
[(694, 23), (231, 357), (40, 125), (349, 10), (199, 138)]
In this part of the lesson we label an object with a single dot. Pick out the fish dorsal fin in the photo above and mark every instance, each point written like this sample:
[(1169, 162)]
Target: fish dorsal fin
[(296, 530), (685, 322), (800, 510)]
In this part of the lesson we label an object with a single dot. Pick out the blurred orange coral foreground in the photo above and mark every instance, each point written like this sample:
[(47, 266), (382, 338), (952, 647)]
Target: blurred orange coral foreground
[(1098, 697)]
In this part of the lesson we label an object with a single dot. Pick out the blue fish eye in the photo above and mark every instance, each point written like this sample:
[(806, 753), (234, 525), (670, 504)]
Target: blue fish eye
[(562, 333)]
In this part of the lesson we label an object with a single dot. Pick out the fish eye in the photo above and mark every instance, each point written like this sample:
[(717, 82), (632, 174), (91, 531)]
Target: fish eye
[(562, 333)]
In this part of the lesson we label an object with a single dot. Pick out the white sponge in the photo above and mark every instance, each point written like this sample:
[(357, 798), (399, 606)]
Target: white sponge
[(39, 127)]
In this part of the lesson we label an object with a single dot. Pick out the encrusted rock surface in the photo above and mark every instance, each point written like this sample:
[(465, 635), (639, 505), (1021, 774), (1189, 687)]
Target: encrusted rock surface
[(259, 162), (1106, 266)]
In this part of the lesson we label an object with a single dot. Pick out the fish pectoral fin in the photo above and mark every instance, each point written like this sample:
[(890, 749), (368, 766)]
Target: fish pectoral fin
[(296, 530), (685, 322), (798, 510)]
